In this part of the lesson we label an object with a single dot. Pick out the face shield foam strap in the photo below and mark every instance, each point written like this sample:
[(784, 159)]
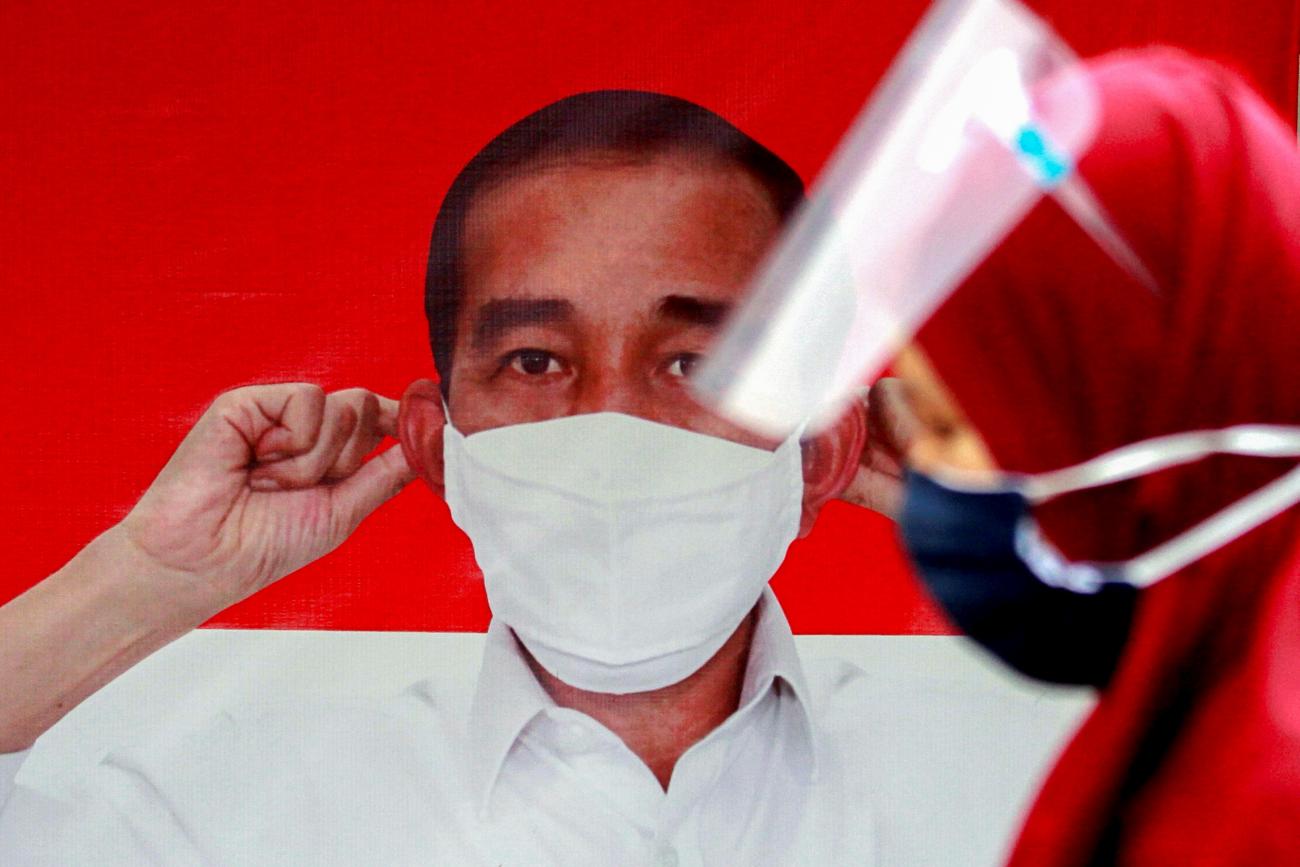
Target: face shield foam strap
[(1269, 441)]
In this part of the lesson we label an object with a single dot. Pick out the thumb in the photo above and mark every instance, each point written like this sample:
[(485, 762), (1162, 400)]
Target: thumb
[(377, 482)]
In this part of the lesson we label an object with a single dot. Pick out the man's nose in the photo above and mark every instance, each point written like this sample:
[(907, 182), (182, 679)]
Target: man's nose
[(611, 391)]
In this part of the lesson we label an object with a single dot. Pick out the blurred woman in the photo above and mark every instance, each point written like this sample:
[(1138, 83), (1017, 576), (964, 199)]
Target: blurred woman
[(1051, 354)]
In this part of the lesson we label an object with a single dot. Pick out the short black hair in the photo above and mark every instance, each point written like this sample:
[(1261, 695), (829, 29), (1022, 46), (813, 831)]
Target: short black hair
[(632, 122)]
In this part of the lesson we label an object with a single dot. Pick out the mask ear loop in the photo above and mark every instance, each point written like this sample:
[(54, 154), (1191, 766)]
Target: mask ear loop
[(798, 434), (1138, 459), (1214, 532), (1149, 456), (446, 412)]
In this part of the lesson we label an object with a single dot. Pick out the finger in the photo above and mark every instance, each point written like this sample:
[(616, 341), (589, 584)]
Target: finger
[(285, 420), (244, 424), (365, 435), (370, 487), (876, 491), (386, 419), (891, 424), (307, 469)]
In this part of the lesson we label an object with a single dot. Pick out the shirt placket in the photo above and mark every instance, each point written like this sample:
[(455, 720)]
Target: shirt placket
[(606, 775), (696, 778)]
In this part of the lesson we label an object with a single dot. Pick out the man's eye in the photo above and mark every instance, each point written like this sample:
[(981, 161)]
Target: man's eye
[(683, 365), (534, 362)]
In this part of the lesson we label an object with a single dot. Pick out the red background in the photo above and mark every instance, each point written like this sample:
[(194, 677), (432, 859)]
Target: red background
[(211, 195)]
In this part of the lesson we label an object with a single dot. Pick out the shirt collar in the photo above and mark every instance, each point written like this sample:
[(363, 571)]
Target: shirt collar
[(774, 664), (508, 695), (506, 699)]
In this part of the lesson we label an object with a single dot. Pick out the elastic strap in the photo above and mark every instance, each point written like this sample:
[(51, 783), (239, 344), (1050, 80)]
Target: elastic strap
[(1215, 531), (1149, 456)]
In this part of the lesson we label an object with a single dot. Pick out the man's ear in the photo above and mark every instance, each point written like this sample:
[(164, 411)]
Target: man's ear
[(830, 461), (420, 420)]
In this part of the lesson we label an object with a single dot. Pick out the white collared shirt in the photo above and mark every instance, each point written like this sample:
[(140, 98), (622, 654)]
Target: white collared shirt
[(836, 767)]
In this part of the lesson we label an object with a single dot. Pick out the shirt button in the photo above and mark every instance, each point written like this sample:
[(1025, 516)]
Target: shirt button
[(571, 737), (666, 856)]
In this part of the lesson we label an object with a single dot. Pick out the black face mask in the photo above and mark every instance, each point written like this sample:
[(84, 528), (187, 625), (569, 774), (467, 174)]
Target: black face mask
[(979, 556)]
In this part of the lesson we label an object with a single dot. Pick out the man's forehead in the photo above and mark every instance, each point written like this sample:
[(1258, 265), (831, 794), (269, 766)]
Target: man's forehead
[(667, 221)]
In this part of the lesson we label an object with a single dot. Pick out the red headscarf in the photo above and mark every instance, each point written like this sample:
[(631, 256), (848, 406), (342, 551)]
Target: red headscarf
[(1192, 755)]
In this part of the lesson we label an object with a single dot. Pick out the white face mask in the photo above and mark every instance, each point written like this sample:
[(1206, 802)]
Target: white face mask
[(623, 553)]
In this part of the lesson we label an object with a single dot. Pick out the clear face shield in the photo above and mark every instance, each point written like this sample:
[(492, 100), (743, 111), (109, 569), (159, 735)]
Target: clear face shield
[(984, 112)]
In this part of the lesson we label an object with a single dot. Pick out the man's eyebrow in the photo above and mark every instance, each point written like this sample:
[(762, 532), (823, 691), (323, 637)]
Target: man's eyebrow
[(692, 310), (496, 317)]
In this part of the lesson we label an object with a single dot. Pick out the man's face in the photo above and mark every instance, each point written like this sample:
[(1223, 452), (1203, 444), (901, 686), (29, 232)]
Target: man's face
[(596, 286)]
